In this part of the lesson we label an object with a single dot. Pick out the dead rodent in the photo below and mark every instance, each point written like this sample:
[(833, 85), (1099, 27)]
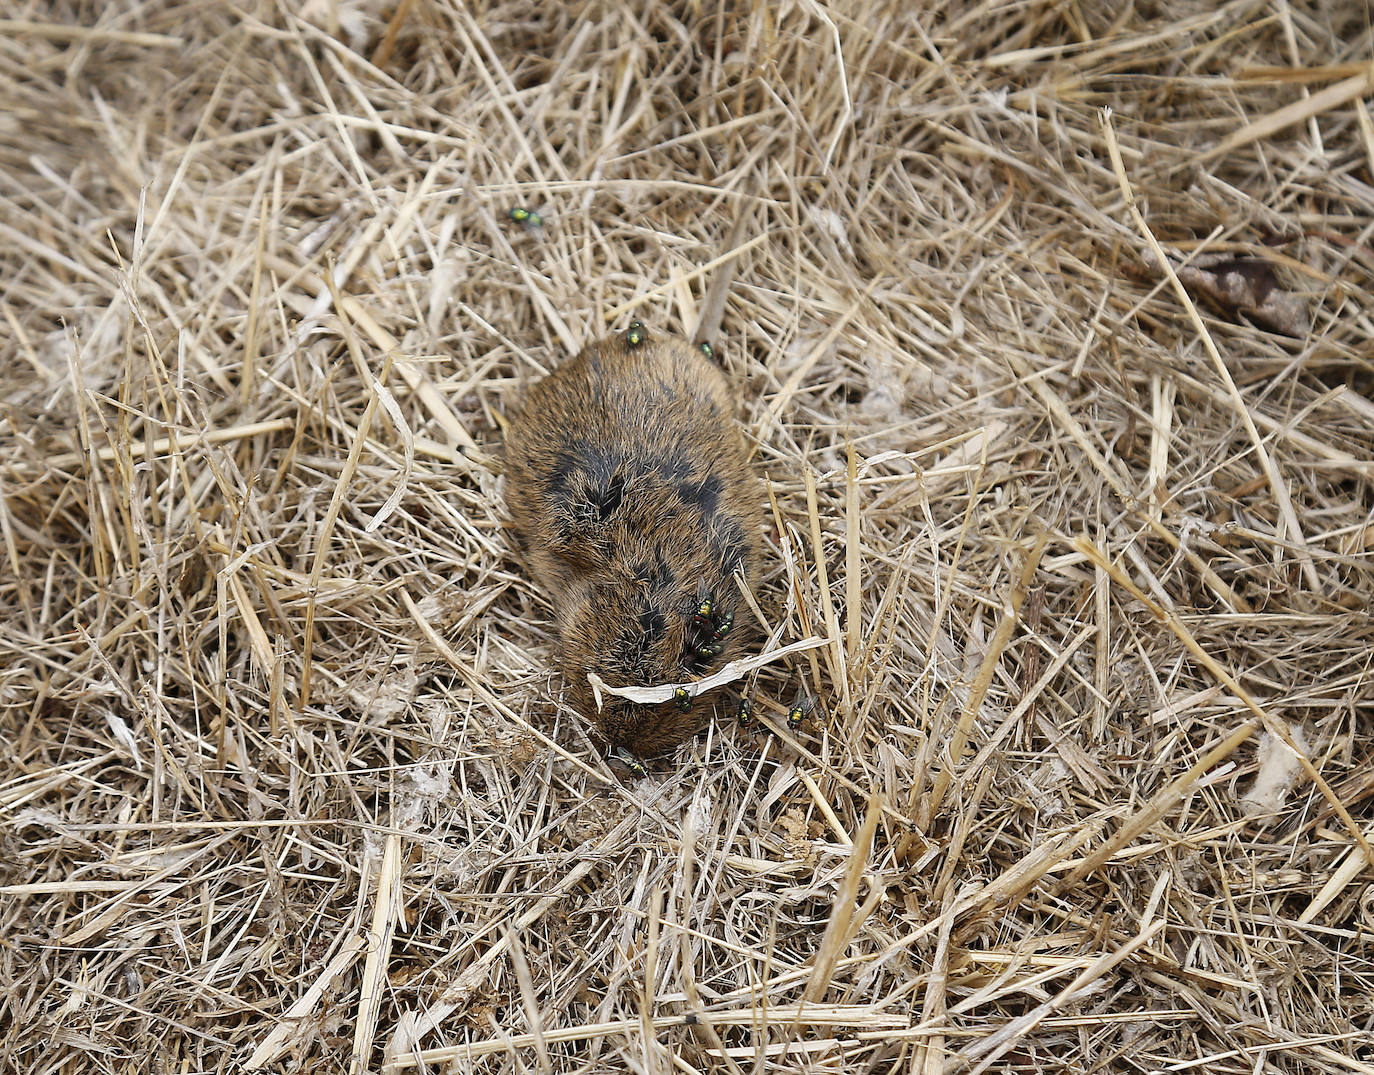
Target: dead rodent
[(632, 496)]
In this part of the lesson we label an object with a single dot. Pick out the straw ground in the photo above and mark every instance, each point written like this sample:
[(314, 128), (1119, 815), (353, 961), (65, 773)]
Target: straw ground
[(287, 784)]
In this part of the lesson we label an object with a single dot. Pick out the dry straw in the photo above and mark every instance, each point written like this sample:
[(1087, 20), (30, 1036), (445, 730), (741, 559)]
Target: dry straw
[(1062, 546)]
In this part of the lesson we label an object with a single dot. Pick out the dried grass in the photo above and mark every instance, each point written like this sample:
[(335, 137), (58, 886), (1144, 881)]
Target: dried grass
[(286, 782)]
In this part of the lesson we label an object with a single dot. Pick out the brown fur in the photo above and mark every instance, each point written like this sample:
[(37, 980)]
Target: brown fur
[(630, 490)]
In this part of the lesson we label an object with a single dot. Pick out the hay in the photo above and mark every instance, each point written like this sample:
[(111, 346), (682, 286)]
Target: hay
[(286, 783)]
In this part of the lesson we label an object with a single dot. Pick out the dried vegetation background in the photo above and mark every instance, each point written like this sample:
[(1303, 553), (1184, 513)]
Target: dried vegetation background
[(286, 784)]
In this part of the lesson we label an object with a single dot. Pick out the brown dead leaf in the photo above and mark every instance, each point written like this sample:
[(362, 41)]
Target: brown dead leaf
[(1242, 288)]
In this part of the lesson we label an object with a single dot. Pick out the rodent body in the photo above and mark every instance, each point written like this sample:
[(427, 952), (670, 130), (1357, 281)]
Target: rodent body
[(630, 490)]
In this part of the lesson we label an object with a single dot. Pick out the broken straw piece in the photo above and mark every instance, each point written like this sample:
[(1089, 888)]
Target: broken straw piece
[(728, 674)]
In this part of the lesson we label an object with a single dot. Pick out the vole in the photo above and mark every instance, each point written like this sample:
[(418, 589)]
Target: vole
[(630, 490)]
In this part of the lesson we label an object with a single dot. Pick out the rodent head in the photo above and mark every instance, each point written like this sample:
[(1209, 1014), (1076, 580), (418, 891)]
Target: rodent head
[(631, 632)]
